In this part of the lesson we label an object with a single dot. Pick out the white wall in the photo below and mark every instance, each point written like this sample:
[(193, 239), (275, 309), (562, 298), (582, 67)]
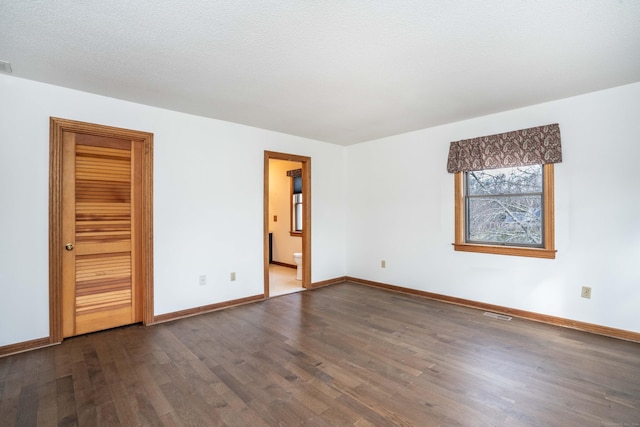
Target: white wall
[(208, 208), (402, 211), (283, 245), (208, 192)]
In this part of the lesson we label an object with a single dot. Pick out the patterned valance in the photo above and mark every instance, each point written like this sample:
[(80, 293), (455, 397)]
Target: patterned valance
[(296, 173), (534, 146)]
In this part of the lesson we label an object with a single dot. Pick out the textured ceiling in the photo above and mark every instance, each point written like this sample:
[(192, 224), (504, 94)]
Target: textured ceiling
[(338, 71)]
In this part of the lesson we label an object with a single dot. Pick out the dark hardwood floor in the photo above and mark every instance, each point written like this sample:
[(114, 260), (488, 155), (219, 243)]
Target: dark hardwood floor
[(343, 355)]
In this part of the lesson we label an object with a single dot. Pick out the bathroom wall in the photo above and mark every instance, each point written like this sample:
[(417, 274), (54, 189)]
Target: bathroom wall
[(208, 202), (284, 245)]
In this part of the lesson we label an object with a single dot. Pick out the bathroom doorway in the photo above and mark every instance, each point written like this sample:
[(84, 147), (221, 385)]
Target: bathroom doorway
[(287, 223)]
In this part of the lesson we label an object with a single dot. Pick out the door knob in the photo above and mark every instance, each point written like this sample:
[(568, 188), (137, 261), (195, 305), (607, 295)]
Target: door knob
[(69, 246)]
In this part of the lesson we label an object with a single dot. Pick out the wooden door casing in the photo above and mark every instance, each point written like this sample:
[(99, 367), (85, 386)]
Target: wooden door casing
[(306, 215), (100, 198)]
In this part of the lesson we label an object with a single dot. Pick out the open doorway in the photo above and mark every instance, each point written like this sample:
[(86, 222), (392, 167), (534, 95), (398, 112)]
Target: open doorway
[(287, 223)]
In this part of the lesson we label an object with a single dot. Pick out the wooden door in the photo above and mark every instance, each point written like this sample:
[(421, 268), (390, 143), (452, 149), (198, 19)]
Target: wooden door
[(102, 245)]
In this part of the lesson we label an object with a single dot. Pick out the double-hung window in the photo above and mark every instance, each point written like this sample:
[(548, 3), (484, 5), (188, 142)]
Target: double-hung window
[(296, 225), (296, 204), (506, 210)]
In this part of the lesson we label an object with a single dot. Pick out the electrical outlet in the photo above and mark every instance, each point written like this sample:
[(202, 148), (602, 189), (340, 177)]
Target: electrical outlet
[(383, 264), (586, 292), (203, 280), (232, 276)]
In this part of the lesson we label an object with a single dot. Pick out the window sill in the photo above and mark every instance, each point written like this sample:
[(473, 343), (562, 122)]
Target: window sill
[(506, 250), (295, 233)]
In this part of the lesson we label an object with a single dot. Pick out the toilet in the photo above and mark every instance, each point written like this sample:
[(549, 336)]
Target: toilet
[(297, 258)]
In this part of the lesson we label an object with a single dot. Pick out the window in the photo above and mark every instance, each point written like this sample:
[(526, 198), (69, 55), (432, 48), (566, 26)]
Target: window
[(506, 211), (504, 206), (297, 213), (296, 206), (504, 191)]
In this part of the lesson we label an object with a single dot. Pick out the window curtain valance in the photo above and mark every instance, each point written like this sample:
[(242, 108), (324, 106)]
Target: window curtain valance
[(534, 146)]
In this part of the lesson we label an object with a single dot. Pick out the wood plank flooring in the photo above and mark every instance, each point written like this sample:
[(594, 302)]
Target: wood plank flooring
[(343, 355)]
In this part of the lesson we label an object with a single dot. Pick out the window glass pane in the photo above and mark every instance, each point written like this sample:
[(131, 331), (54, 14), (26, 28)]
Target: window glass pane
[(297, 185), (298, 221), (519, 180), (519, 222), (297, 212), (511, 220)]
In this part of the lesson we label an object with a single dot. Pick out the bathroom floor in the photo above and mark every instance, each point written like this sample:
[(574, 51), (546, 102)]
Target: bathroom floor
[(282, 280)]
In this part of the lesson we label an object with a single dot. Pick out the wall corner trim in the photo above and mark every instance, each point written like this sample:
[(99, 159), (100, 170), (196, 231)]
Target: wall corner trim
[(333, 281), (35, 344), (167, 317), (21, 347), (529, 315), (622, 334)]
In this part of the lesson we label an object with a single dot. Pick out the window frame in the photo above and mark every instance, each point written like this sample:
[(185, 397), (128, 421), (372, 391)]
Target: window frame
[(292, 213), (548, 250)]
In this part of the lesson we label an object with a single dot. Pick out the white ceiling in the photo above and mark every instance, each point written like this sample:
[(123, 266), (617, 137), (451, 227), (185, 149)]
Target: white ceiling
[(335, 70)]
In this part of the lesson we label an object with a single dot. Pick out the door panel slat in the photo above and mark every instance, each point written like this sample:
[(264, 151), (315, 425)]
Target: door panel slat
[(102, 300), (84, 148), (102, 248), (84, 289)]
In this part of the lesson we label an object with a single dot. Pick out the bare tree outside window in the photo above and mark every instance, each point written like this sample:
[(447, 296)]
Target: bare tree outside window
[(505, 206)]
